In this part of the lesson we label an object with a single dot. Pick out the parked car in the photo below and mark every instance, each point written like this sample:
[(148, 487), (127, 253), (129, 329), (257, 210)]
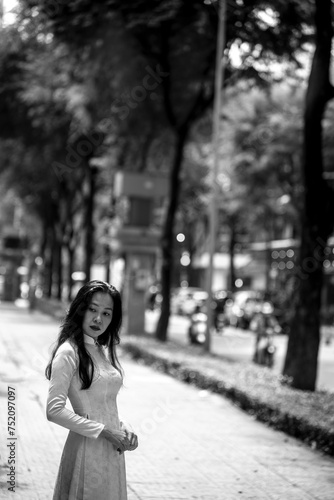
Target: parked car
[(244, 305), (197, 299), (185, 300)]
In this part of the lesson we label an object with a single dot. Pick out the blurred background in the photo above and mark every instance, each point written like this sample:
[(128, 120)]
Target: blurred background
[(108, 169)]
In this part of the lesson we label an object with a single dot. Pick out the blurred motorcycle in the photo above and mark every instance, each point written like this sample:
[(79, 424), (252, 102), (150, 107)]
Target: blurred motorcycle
[(197, 327), (198, 320), (265, 352), (265, 326)]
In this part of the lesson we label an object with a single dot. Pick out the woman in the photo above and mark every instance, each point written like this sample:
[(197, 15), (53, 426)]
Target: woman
[(84, 367)]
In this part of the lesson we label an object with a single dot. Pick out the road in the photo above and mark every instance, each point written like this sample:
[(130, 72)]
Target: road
[(238, 344)]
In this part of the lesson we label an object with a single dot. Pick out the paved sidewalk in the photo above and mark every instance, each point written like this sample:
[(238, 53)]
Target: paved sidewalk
[(193, 444)]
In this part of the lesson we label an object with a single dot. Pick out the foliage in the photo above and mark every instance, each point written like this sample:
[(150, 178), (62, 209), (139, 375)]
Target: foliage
[(178, 36), (94, 59), (37, 98), (261, 175)]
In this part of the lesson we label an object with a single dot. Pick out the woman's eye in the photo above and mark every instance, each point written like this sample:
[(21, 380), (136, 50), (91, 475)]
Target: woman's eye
[(107, 314), (92, 309)]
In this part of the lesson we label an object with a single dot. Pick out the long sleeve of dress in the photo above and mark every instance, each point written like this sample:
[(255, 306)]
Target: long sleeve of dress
[(64, 366)]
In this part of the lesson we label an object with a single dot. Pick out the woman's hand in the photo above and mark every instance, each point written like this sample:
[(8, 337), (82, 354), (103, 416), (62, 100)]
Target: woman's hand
[(118, 438), (132, 436), (133, 439)]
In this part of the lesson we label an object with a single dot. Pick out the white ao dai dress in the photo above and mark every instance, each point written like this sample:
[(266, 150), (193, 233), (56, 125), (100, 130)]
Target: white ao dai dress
[(90, 468)]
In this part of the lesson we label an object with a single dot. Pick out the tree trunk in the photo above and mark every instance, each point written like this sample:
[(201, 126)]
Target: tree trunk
[(270, 235), (43, 254), (232, 242), (89, 223), (190, 234), (167, 243), (44, 239), (107, 262), (70, 251), (50, 261), (59, 268), (70, 240), (316, 218)]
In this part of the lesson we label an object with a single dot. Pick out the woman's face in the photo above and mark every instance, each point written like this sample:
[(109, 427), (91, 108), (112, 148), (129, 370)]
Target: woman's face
[(98, 316)]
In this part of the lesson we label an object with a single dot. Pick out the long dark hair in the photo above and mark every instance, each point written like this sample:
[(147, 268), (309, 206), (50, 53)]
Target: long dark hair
[(71, 329)]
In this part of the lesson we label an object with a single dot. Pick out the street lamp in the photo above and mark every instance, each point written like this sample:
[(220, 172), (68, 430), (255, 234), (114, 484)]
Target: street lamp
[(219, 82)]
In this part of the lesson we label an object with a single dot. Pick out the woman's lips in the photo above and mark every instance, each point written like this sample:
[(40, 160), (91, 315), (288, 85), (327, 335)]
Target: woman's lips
[(95, 328)]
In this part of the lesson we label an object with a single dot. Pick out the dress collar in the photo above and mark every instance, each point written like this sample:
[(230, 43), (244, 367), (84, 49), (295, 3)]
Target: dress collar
[(89, 340)]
